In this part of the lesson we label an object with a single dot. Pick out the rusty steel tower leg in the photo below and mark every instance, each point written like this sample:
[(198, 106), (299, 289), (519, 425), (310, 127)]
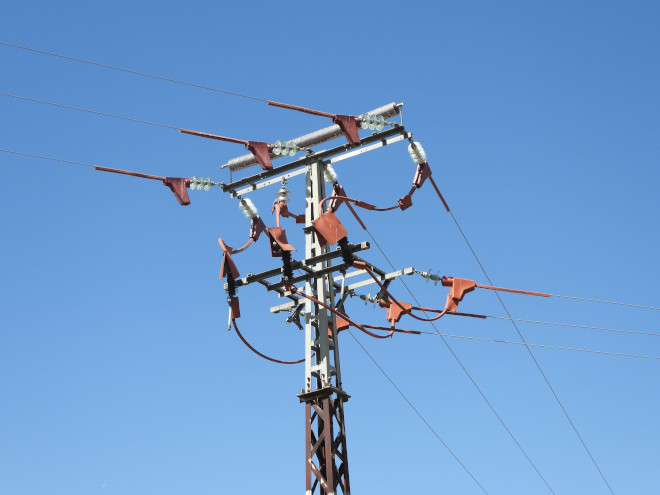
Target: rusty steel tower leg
[(326, 458)]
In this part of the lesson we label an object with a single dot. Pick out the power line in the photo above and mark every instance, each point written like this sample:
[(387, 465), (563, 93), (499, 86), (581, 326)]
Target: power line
[(49, 158), (606, 302), (467, 373), (575, 326), (539, 345), (88, 111), (538, 366), (417, 411), (132, 71)]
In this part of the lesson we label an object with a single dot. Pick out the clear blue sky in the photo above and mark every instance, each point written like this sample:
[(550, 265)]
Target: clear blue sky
[(117, 374)]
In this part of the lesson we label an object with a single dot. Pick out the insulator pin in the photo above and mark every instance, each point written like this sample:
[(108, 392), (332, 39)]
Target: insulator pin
[(430, 276), (417, 153), (370, 299), (283, 193), (247, 207), (329, 174)]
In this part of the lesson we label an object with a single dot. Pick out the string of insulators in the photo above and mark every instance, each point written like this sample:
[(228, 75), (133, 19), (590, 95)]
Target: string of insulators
[(283, 148), (247, 207), (373, 122), (370, 299), (430, 276), (200, 183)]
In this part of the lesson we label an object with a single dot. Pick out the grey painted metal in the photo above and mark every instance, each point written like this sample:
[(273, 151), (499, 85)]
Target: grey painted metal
[(349, 288), (313, 138), (323, 155), (335, 159), (319, 369), (387, 276), (304, 265), (364, 149), (269, 182)]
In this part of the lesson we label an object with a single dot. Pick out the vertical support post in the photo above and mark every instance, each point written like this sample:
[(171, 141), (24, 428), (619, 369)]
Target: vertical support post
[(326, 459)]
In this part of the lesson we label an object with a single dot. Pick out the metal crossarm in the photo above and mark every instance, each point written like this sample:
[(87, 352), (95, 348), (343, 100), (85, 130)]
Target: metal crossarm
[(252, 180)]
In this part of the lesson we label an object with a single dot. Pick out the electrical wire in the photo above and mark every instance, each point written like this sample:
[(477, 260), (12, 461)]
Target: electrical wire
[(394, 300), (499, 341), (278, 361), (606, 302), (575, 326), (531, 354), (295, 290), (89, 111), (49, 158), (129, 71), (570, 325), (467, 373), (435, 433)]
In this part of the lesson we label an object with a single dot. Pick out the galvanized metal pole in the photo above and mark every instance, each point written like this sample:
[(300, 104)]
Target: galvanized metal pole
[(326, 457)]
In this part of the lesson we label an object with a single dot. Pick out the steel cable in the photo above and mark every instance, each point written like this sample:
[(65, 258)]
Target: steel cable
[(428, 425), (606, 302), (133, 72), (89, 111), (538, 366), (467, 373), (636, 332), (49, 158)]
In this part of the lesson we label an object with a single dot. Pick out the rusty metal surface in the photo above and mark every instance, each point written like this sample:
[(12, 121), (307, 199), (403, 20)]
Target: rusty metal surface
[(405, 202), (444, 203), (300, 109), (396, 311), (342, 325), (329, 228), (261, 152), (349, 126), (458, 287), (422, 173), (227, 265), (337, 191), (326, 456), (278, 241), (283, 210), (214, 136), (128, 172), (257, 226), (179, 186), (235, 308), (515, 291)]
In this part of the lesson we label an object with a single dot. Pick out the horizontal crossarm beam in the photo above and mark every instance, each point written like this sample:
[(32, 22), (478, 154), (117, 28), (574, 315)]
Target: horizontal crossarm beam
[(316, 157)]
